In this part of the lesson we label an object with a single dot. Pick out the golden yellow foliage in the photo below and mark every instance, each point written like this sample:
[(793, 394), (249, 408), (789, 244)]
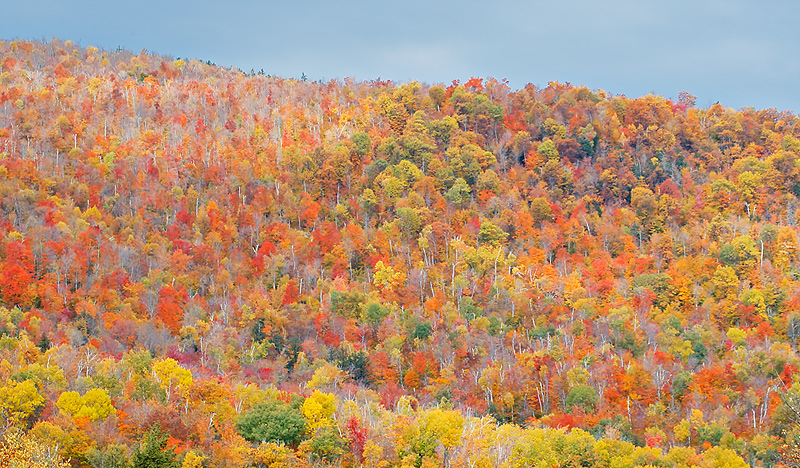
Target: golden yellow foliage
[(18, 450)]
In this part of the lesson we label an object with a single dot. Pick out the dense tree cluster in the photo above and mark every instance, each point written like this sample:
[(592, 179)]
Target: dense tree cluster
[(206, 267)]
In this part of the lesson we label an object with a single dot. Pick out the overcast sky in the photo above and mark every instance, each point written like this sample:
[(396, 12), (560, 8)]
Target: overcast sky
[(740, 53)]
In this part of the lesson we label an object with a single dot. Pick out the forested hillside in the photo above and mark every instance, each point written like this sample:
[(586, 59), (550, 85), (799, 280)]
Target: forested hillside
[(203, 267)]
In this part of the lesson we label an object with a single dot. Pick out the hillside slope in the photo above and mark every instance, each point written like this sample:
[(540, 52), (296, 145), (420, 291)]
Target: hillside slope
[(403, 273)]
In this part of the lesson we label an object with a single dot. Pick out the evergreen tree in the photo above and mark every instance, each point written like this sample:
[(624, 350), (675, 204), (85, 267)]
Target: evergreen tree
[(152, 452)]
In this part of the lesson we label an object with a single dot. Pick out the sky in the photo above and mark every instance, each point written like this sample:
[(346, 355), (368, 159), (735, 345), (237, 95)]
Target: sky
[(740, 53)]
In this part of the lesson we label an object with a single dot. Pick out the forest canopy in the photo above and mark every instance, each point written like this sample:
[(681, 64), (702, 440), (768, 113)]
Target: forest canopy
[(205, 267)]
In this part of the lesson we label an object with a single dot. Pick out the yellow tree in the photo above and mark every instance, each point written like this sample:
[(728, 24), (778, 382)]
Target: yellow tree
[(535, 449), (193, 460), (93, 405), (318, 409), (171, 375), (477, 443), (786, 248), (444, 426), (18, 401), (719, 457), (387, 278)]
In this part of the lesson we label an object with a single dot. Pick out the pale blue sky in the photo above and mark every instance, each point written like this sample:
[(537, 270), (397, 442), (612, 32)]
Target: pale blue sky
[(740, 53)]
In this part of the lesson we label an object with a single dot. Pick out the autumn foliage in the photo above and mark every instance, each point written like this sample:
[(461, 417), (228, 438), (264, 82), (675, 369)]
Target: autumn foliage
[(209, 267)]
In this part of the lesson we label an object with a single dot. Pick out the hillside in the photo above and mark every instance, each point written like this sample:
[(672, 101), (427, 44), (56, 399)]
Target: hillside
[(234, 269)]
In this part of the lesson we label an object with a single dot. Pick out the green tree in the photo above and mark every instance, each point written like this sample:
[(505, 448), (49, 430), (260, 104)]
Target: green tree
[(272, 421), (152, 451), (109, 456), (373, 313), (491, 234), (582, 396), (327, 445), (361, 143), (540, 210), (347, 304), (459, 192), (548, 151)]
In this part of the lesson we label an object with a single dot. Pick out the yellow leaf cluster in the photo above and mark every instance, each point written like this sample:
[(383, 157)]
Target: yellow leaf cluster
[(18, 400), (94, 405), (19, 450), (318, 409)]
